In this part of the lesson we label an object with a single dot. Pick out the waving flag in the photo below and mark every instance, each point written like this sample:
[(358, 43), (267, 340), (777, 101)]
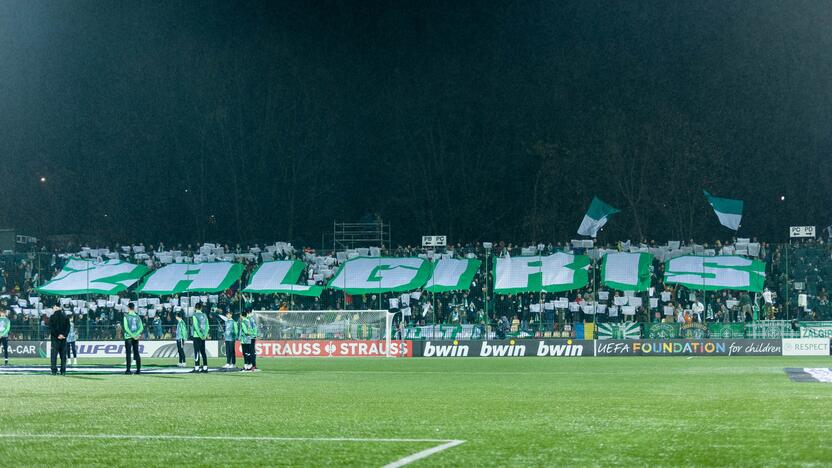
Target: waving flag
[(727, 210), (596, 217)]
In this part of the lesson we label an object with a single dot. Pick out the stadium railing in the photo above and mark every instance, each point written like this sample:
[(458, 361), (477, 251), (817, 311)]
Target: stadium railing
[(759, 329), (93, 332)]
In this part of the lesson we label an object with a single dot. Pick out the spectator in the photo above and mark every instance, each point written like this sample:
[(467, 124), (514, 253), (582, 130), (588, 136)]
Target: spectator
[(697, 308)]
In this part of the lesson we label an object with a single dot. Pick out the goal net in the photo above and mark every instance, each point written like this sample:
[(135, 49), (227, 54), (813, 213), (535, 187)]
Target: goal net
[(369, 325)]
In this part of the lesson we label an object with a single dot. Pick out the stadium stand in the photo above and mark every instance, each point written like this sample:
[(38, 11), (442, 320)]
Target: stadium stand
[(803, 268)]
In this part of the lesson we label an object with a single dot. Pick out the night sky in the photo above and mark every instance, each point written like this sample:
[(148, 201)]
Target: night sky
[(262, 121)]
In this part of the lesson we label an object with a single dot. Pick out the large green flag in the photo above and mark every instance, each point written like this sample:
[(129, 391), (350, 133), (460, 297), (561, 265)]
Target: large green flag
[(80, 277), (281, 277), (192, 278), (716, 273), (554, 273), (452, 275), (365, 275), (596, 217), (626, 271), (727, 210)]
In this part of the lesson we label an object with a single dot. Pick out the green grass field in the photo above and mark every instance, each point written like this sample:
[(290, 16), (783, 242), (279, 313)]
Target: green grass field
[(521, 412)]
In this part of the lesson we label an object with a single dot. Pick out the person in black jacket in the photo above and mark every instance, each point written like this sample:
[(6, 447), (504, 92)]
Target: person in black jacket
[(59, 329)]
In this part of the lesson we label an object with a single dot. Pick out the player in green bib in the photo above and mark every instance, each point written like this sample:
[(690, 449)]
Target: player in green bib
[(199, 333), (245, 340), (5, 327), (231, 333), (133, 328), (252, 326)]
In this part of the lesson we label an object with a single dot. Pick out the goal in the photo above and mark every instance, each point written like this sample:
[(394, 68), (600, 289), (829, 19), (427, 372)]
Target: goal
[(361, 325)]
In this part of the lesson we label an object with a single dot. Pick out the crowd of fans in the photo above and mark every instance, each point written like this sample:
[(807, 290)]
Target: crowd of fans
[(798, 275)]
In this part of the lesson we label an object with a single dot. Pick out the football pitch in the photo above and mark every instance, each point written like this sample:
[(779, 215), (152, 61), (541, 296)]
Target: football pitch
[(451, 412)]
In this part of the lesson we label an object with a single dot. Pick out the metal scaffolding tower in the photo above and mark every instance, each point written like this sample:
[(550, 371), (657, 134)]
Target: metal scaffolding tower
[(352, 235)]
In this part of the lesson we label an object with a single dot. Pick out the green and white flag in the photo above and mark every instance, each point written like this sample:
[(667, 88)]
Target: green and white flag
[(727, 210), (716, 273), (364, 275), (619, 331), (192, 278), (86, 277), (626, 271), (281, 277), (452, 275), (554, 273), (596, 217)]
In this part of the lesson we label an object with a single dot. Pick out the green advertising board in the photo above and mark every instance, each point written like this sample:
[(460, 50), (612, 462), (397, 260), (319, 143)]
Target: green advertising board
[(770, 330), (661, 331), (816, 329), (619, 331), (726, 330)]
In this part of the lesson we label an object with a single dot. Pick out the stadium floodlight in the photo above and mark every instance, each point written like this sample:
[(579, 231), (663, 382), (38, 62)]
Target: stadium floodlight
[(330, 325)]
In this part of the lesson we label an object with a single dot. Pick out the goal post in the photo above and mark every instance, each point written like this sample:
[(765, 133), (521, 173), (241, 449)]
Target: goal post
[(370, 325)]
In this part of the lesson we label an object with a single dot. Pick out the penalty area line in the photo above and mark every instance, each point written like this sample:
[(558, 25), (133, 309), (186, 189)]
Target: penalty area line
[(444, 445)]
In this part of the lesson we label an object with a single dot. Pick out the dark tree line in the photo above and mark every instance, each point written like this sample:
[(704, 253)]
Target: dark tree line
[(497, 120)]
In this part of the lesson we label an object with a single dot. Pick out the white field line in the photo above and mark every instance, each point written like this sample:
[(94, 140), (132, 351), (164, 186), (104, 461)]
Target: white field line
[(423, 454), (96, 370), (446, 444)]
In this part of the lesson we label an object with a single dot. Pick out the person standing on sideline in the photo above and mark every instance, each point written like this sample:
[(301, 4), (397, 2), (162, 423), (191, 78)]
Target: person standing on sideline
[(245, 340), (133, 328), (232, 330), (252, 321), (5, 326), (72, 350), (181, 337), (199, 334), (58, 330)]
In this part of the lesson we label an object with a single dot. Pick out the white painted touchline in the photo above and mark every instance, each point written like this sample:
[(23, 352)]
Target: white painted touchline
[(446, 443), (202, 437)]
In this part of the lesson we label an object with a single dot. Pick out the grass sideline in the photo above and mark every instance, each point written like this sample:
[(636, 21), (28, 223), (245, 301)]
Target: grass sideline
[(525, 411)]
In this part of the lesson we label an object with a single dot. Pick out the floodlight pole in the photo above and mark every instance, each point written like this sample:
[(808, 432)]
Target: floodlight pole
[(487, 247), (788, 247), (540, 296), (88, 287), (379, 283), (705, 307), (594, 288), (433, 299), (40, 272)]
